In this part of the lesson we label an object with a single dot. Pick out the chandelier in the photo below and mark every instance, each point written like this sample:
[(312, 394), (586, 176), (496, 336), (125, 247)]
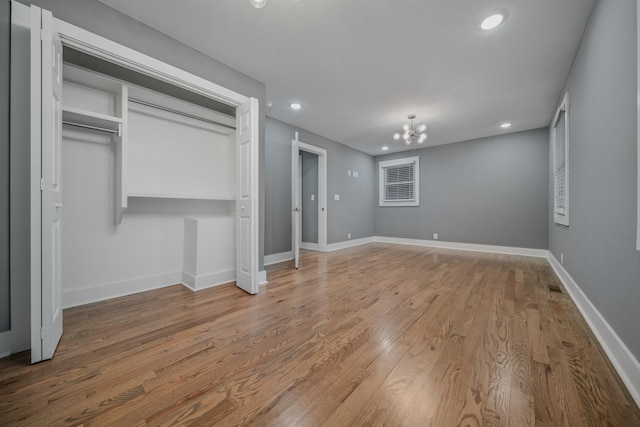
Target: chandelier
[(412, 134)]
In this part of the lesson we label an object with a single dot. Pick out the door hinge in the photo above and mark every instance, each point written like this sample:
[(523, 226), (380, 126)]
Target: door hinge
[(41, 184), (41, 333), (42, 35)]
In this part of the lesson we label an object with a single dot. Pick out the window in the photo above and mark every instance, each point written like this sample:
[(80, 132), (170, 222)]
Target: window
[(560, 152), (399, 181)]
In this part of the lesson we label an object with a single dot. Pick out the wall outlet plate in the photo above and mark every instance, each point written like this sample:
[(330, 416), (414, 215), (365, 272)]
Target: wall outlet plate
[(336, 197), (435, 236), (349, 236)]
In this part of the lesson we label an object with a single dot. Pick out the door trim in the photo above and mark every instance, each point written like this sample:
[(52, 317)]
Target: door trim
[(108, 50)]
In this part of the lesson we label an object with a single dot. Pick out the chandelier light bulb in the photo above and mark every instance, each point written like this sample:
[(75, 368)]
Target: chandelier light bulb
[(421, 128), (407, 142), (258, 4), (396, 136), (405, 127)]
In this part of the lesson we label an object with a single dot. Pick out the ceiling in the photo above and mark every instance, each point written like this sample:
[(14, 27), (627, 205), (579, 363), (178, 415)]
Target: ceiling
[(359, 67)]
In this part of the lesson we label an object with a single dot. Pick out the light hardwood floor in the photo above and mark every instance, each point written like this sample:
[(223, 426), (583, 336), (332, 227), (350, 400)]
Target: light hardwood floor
[(373, 335)]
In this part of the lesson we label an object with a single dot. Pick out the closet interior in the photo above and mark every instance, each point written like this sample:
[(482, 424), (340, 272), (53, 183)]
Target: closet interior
[(149, 184)]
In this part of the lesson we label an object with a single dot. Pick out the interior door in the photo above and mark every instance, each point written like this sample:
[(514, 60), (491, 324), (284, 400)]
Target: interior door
[(295, 201), (247, 196), (51, 131)]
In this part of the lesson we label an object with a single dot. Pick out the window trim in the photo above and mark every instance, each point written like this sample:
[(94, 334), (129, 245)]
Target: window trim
[(561, 217), (416, 181)]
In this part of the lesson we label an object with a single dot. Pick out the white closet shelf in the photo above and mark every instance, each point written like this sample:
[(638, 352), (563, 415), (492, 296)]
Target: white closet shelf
[(90, 118), (180, 196)]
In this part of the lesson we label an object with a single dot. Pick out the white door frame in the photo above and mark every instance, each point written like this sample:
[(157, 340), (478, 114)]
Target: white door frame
[(322, 191), (102, 48)]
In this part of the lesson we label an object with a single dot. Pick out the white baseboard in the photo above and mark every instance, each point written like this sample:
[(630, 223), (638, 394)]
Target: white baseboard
[(621, 358), (508, 250), (262, 278), (276, 258), (309, 246), (76, 297), (6, 343), (349, 243), (205, 281)]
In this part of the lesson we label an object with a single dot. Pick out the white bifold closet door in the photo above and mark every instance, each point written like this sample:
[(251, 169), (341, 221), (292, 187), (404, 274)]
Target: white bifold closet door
[(46, 87), (247, 196)]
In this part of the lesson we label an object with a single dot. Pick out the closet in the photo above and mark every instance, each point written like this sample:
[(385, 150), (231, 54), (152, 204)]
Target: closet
[(132, 188), (147, 178)]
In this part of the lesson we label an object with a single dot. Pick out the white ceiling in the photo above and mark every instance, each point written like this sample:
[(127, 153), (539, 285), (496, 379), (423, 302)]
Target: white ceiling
[(359, 67)]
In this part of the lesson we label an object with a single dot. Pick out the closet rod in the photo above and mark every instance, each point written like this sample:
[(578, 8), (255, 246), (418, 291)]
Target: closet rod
[(180, 113), (81, 125)]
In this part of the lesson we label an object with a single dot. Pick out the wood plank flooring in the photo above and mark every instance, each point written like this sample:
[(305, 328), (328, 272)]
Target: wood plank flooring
[(374, 335)]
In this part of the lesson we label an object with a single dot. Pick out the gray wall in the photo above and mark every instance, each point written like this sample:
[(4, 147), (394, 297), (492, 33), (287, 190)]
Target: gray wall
[(599, 244), (5, 40), (309, 207), (109, 23), (353, 213), (490, 191)]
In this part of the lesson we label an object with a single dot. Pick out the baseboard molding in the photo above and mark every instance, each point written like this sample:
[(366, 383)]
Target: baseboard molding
[(508, 250), (76, 297), (262, 278), (349, 243), (309, 246), (205, 281), (621, 358), (6, 343), (276, 258)]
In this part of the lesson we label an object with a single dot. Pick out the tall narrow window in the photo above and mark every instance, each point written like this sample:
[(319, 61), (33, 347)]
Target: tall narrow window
[(560, 151), (399, 182)]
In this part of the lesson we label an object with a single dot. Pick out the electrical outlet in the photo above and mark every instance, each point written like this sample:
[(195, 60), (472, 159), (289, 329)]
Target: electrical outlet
[(435, 236), (313, 197), (349, 173), (349, 236), (355, 173), (561, 257), (336, 197)]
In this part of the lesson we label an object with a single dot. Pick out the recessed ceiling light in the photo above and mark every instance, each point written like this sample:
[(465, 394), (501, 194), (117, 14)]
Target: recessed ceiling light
[(258, 4), (491, 21), (506, 125), (385, 148), (295, 105)]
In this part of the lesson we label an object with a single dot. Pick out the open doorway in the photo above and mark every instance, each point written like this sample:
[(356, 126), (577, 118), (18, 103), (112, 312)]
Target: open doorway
[(309, 198), (309, 177)]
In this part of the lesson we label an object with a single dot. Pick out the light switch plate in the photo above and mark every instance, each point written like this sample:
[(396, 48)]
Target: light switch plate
[(336, 197)]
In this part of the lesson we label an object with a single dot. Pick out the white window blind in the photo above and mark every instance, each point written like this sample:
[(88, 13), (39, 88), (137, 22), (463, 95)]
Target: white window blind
[(560, 147), (399, 182), (560, 165)]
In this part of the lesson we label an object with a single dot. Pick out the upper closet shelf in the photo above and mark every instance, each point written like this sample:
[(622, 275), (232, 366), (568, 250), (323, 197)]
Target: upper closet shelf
[(91, 120)]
